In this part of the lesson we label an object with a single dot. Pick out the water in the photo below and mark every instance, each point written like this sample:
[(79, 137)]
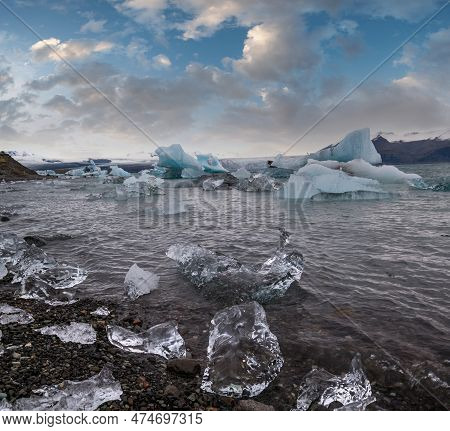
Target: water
[(376, 277)]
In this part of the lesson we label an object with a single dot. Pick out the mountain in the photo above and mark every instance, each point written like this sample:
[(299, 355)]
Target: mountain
[(408, 152), (11, 170)]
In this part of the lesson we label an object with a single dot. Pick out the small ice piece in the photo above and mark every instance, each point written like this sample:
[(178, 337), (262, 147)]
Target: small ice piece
[(9, 314), (242, 174), (5, 406), (115, 171), (3, 270), (352, 391), (75, 332), (163, 340), (145, 184), (47, 173), (101, 311), (139, 282), (225, 278), (258, 183), (211, 164), (243, 354), (2, 350), (84, 395), (174, 157), (211, 184), (317, 182)]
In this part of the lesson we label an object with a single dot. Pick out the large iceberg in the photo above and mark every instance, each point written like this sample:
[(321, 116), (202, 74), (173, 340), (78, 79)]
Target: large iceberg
[(139, 282), (85, 395), (174, 157), (243, 354), (225, 278), (350, 392), (317, 182), (163, 340), (210, 164), (355, 145), (75, 332)]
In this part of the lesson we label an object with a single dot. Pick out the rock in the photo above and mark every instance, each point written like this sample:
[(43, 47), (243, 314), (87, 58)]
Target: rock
[(143, 383), (36, 240), (171, 391), (16, 355), (4, 218), (253, 406), (184, 366), (28, 345), (11, 170)]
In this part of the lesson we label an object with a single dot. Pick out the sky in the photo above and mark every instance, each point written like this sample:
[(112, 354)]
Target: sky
[(238, 78)]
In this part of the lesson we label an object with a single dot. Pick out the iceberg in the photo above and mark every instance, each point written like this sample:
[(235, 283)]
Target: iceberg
[(190, 173), (210, 164), (115, 171), (92, 170), (80, 333), (101, 311), (225, 278), (139, 282), (145, 184), (244, 356), (317, 182), (162, 340), (242, 174), (211, 184), (84, 395), (9, 315), (351, 392), (258, 183), (47, 173), (174, 157)]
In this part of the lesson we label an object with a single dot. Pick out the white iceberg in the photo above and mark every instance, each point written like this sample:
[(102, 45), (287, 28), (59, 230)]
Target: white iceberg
[(318, 182), (162, 340), (75, 332), (211, 184), (210, 164), (243, 354), (351, 392), (242, 174), (139, 282), (85, 395), (47, 173), (174, 157), (9, 315)]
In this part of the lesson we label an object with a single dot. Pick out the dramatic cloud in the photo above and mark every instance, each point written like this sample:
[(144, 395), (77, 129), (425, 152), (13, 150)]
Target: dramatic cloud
[(53, 49)]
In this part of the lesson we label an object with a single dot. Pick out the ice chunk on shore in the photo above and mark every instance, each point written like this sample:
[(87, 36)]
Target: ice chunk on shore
[(3, 270), (242, 174), (211, 184), (163, 340), (258, 183), (9, 314), (139, 282), (75, 332), (315, 181), (84, 395), (101, 311), (210, 164), (225, 278), (175, 157), (352, 391), (243, 354)]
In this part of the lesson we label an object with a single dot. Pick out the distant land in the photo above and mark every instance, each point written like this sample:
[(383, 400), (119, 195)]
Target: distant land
[(11, 170), (410, 152)]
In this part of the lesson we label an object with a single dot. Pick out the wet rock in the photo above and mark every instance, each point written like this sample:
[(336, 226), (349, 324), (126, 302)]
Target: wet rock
[(36, 240), (184, 366), (4, 218), (253, 406), (171, 391)]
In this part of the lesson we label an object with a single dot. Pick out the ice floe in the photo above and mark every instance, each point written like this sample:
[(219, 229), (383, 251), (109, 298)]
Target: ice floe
[(318, 182), (350, 392), (243, 354), (70, 395), (139, 282), (242, 174), (145, 184), (211, 184), (115, 171), (75, 332), (163, 340), (9, 315), (228, 280), (258, 183)]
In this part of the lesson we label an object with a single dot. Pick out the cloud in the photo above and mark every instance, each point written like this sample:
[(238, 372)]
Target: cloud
[(6, 80), (93, 26), (161, 61), (53, 49)]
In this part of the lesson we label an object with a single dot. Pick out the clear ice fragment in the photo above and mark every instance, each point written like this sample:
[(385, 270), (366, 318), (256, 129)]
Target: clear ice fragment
[(211, 184), (139, 282), (9, 314), (243, 354), (75, 332), (163, 340), (101, 311)]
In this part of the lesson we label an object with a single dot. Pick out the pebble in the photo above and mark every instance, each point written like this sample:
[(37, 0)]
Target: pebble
[(184, 366)]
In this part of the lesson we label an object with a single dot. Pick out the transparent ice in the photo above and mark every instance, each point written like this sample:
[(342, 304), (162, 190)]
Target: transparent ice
[(351, 392), (243, 354), (101, 311), (139, 282), (9, 314), (75, 332), (211, 184), (84, 395), (228, 280), (242, 174), (258, 183), (163, 340)]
